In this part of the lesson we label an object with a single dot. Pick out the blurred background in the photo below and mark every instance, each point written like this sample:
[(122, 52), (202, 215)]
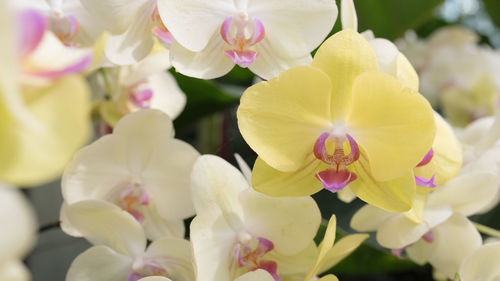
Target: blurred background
[(209, 123)]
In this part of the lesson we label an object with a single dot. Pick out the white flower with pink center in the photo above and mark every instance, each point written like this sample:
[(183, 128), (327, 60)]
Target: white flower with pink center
[(140, 168), (267, 36), (239, 230), (120, 251), (133, 26)]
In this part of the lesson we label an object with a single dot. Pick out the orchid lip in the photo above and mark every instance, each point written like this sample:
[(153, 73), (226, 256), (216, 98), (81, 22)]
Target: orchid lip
[(34, 25), (337, 176), (251, 257), (427, 158), (234, 31)]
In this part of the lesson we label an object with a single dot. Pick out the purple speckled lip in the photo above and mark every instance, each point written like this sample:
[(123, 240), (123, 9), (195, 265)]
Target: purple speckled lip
[(239, 52), (33, 25)]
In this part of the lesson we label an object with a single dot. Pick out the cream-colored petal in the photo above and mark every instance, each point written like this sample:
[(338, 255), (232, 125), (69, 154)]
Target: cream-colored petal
[(370, 218), (14, 270), (398, 232), (324, 247), (467, 193), (18, 232), (244, 168), (99, 263), (213, 245), (271, 62), (103, 223), (167, 96), (175, 255), (193, 23), (348, 15), (454, 240), (208, 63), (289, 222), (155, 226), (298, 264), (346, 195), (482, 264), (282, 118), (257, 275), (285, 33)]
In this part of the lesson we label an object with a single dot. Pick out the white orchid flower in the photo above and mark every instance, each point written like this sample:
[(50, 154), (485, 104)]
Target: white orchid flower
[(146, 84), (37, 83), (133, 26), (120, 252), (67, 19), (212, 36), (239, 230), (482, 264), (445, 236), (17, 235), (141, 168)]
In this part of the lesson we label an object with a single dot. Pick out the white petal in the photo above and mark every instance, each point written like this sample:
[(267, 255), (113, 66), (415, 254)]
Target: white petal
[(467, 193), (17, 234), (399, 231), (96, 170), (289, 222), (292, 37), (134, 44), (156, 226), (272, 62), (143, 131), (348, 15), (386, 53), (193, 22), (257, 275), (214, 180), (103, 223), (245, 169), (154, 278), (208, 63), (151, 65), (369, 218), (454, 240), (213, 245), (14, 270), (482, 264), (167, 179), (115, 15), (167, 96), (99, 263), (65, 223), (175, 255)]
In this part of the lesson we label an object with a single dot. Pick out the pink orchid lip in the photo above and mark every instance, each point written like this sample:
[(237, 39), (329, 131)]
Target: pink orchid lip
[(163, 34), (131, 198), (427, 158), (423, 182), (337, 176), (33, 26), (76, 67), (239, 52), (66, 28), (252, 258), (142, 98)]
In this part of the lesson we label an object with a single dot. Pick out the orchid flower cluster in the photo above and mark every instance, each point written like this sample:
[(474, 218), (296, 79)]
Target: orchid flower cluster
[(349, 120)]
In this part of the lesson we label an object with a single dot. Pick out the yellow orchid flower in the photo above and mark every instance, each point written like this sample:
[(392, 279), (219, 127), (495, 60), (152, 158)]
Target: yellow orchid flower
[(337, 122)]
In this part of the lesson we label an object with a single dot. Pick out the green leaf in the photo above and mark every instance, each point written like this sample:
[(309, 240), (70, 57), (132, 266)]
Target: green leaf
[(493, 9), (204, 98), (391, 18)]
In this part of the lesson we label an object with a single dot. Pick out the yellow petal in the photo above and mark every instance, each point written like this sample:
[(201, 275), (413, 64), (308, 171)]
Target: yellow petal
[(329, 277), (324, 247), (342, 249), (301, 182), (418, 205), (282, 118), (41, 152), (447, 159), (343, 57), (394, 125), (394, 196)]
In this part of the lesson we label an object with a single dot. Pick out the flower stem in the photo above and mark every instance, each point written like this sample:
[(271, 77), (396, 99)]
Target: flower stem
[(487, 230)]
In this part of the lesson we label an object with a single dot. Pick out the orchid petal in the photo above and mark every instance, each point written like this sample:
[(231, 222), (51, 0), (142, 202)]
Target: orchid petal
[(279, 122), (348, 15), (479, 265)]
